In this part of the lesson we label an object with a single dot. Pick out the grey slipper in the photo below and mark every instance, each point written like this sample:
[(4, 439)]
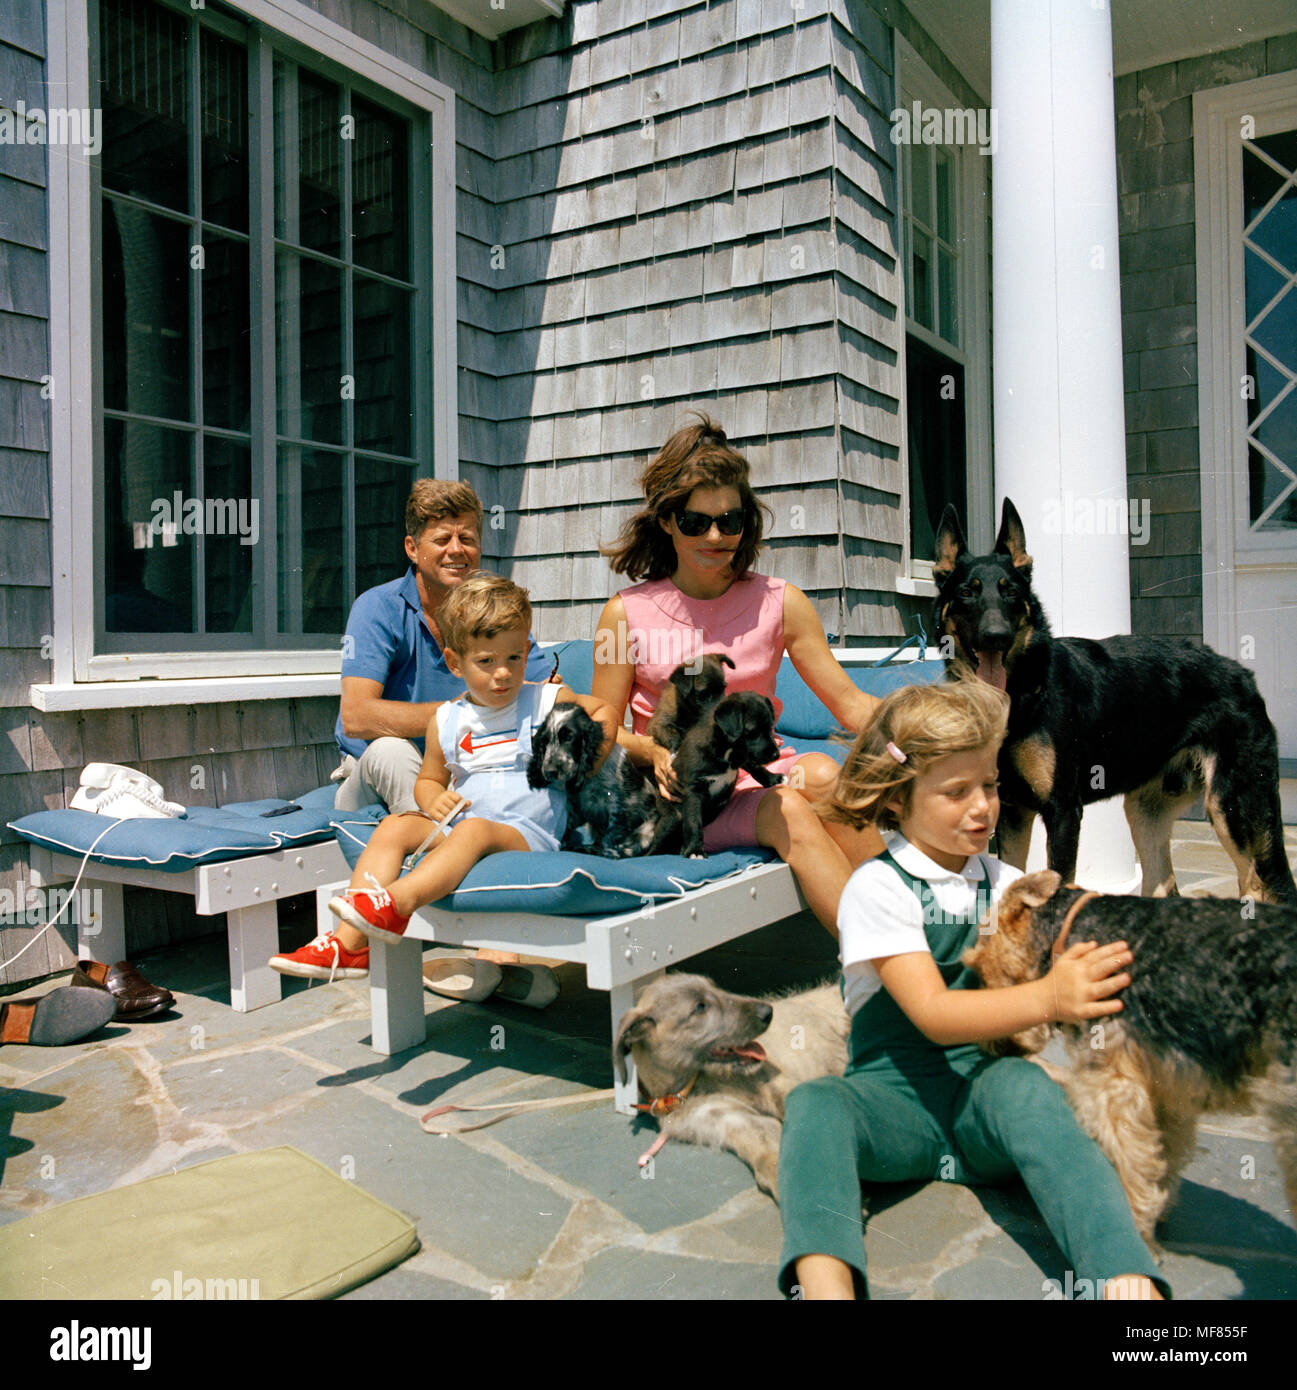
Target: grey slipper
[(471, 980), (536, 986)]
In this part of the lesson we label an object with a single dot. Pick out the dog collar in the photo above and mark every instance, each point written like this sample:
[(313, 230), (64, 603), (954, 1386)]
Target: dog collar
[(1060, 944), (664, 1105)]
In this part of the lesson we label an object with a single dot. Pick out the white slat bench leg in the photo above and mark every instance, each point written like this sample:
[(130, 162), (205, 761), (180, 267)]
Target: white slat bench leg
[(621, 998), (325, 921), (254, 938), (103, 937), (396, 996)]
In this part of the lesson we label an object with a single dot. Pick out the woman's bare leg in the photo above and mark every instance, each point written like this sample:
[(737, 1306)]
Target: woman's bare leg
[(787, 823), (815, 775)]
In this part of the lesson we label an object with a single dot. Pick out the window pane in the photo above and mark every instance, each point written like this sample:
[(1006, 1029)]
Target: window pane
[(921, 308), (226, 334), (945, 197), (148, 557), (1266, 483), (233, 533), (380, 183), (921, 183), (382, 354), (381, 490), (934, 400), (1272, 422), (224, 101), (144, 53), (309, 335), (145, 312), (312, 522), (1277, 331), (948, 295), (1261, 181), (308, 160)]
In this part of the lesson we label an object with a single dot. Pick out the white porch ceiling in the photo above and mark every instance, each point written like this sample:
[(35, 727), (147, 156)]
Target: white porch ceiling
[(1145, 33), (493, 20)]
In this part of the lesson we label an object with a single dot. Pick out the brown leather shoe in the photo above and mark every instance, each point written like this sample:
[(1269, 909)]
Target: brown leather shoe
[(135, 996)]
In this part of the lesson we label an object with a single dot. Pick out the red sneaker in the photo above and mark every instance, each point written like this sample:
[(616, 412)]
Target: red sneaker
[(370, 910), (325, 958)]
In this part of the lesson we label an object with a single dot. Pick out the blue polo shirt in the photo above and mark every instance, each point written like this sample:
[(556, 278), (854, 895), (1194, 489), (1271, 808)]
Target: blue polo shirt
[(388, 641)]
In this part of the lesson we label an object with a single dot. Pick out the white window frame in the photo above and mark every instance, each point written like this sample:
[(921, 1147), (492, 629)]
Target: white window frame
[(1222, 409), (913, 78), (76, 394)]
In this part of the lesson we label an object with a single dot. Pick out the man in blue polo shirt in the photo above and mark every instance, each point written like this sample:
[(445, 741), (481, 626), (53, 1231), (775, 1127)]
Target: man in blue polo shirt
[(393, 672)]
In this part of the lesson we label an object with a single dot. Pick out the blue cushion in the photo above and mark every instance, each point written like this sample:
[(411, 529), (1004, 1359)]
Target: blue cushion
[(804, 717), (575, 663), (204, 835), (568, 885)]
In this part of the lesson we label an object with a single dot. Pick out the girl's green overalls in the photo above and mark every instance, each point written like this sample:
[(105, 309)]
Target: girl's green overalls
[(908, 1109)]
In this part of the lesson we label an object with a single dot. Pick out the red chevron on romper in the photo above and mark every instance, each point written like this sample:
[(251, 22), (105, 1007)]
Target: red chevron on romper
[(467, 744)]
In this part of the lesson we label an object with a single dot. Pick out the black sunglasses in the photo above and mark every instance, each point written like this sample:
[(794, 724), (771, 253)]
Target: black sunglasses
[(693, 524)]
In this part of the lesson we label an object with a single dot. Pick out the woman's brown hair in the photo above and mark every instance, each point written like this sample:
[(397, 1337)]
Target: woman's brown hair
[(697, 455)]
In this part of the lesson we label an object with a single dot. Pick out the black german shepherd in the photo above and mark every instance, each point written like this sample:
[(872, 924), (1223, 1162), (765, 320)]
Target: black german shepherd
[(1157, 720)]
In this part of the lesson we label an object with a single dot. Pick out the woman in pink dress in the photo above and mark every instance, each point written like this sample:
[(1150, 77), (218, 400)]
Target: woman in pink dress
[(693, 545)]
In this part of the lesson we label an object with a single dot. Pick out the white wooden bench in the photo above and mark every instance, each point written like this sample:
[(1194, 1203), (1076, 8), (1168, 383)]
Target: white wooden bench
[(621, 953), (624, 951), (246, 890)]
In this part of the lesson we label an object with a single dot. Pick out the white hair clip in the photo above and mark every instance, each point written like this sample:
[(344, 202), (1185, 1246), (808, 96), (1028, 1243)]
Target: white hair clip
[(896, 752)]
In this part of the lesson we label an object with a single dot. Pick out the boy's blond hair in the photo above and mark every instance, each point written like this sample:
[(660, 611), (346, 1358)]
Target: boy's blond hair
[(924, 722), (483, 605)]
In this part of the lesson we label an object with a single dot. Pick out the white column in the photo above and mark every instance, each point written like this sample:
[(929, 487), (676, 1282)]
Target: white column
[(1060, 446)]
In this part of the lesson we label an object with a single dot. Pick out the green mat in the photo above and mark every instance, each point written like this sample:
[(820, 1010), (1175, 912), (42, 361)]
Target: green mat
[(273, 1224)]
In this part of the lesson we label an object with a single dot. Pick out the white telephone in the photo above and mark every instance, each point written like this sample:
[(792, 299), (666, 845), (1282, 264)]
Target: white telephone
[(124, 793)]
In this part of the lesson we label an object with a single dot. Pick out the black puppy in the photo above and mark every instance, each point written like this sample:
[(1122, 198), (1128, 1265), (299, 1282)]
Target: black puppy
[(692, 691), (615, 811), (739, 733), (1157, 720)]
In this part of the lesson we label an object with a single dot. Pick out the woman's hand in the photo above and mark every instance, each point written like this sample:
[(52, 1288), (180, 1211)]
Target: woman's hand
[(1084, 979), (808, 649)]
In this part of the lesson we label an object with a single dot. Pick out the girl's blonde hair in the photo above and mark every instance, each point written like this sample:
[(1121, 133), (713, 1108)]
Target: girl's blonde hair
[(925, 723)]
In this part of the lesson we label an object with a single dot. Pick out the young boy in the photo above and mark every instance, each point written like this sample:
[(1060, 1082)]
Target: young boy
[(477, 749)]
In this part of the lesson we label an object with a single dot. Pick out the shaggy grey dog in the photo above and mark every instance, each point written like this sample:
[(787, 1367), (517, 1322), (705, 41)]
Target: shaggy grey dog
[(711, 1082)]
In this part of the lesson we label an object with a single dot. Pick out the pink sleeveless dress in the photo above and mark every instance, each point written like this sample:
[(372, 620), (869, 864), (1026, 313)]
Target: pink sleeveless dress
[(665, 627)]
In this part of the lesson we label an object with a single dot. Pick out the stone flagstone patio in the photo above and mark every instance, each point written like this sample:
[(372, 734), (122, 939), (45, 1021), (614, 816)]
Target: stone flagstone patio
[(552, 1204)]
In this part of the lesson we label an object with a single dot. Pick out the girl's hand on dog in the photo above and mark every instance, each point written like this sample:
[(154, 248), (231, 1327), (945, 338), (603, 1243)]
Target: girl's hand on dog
[(1084, 979), (664, 774)]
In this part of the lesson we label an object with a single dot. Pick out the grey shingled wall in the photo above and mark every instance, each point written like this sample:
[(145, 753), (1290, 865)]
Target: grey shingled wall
[(695, 205), (212, 754), (28, 779), (660, 205), (1160, 321)]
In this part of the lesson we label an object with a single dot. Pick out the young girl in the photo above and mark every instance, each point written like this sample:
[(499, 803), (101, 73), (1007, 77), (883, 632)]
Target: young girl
[(919, 1098), (477, 750)]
